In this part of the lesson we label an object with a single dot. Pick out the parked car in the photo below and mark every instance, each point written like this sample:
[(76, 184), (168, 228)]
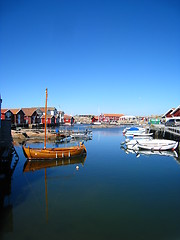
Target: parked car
[(173, 123)]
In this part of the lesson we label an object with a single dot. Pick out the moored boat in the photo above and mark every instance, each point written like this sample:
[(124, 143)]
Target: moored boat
[(82, 134), (142, 135), (133, 130), (158, 144), (151, 144), (54, 153)]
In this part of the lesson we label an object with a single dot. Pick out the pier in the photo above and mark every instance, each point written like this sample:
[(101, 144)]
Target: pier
[(162, 131)]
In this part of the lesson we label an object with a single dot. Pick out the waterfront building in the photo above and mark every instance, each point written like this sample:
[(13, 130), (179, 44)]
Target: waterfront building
[(176, 112), (95, 119), (18, 116), (50, 119), (68, 119), (172, 113), (110, 117), (31, 116)]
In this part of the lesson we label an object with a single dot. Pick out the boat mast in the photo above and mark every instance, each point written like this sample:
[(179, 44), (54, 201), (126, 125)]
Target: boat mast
[(45, 119)]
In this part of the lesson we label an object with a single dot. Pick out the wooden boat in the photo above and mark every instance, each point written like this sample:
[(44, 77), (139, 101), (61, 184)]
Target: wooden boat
[(53, 153)]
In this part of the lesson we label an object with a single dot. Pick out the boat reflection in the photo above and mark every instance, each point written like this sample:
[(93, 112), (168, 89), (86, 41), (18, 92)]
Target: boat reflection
[(138, 153), (33, 165)]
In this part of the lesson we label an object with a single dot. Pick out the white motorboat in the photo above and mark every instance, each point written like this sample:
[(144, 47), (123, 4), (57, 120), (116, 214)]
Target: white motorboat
[(142, 135), (151, 144), (133, 130), (82, 134), (158, 144), (132, 144)]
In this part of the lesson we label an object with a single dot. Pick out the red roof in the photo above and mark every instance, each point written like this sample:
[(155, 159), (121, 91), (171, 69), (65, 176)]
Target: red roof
[(15, 110), (4, 110), (29, 111), (96, 117), (67, 116), (113, 115)]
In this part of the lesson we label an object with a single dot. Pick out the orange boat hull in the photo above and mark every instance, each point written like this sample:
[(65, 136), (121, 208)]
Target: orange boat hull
[(54, 153)]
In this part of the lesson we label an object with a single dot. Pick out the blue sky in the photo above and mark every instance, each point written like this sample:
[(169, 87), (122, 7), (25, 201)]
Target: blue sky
[(94, 56)]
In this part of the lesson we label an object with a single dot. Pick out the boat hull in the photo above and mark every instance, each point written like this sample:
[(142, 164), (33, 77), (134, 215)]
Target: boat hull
[(158, 145), (152, 144), (54, 153)]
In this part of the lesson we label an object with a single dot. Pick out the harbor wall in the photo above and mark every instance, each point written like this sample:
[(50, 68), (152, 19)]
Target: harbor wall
[(162, 132), (5, 134)]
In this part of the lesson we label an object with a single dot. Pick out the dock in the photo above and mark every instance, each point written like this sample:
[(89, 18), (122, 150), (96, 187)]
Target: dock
[(166, 132)]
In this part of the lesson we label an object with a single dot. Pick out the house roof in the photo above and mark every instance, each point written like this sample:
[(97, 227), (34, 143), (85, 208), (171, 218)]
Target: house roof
[(113, 115), (95, 117), (67, 116), (128, 116), (4, 110), (15, 110), (175, 109), (29, 111), (48, 116), (169, 111)]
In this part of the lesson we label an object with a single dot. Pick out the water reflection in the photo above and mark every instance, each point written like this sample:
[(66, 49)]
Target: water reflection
[(8, 162), (33, 165), (138, 153)]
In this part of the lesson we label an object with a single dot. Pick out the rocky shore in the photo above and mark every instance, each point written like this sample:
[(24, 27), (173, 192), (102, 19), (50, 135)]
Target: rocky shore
[(29, 134), (38, 134)]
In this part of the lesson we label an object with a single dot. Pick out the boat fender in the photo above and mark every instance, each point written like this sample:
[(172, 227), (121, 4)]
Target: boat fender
[(69, 154), (56, 154), (62, 155)]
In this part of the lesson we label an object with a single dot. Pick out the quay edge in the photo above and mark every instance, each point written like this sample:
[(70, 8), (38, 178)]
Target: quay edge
[(171, 133)]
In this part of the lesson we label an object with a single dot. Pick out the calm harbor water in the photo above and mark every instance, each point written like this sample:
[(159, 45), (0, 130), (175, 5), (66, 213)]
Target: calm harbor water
[(113, 195)]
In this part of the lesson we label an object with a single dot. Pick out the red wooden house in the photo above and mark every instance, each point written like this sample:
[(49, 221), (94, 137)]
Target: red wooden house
[(18, 116), (6, 114), (110, 117), (168, 114), (173, 112), (95, 119), (176, 112), (50, 120), (31, 115), (68, 119)]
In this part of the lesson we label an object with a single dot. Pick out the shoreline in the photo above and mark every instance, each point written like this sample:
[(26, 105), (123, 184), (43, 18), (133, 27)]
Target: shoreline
[(38, 134)]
